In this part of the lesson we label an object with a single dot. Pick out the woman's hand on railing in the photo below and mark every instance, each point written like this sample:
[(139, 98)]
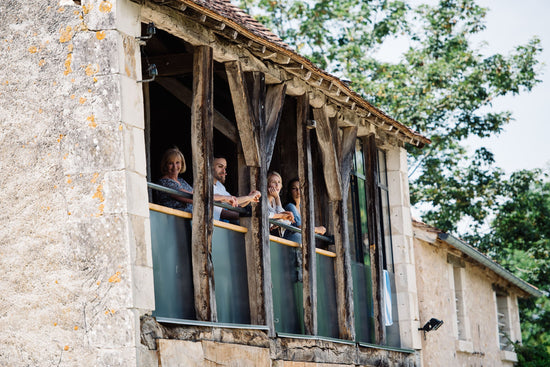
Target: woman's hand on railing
[(286, 215)]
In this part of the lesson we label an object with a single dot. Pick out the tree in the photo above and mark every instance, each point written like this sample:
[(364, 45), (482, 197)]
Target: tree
[(519, 239), (442, 87)]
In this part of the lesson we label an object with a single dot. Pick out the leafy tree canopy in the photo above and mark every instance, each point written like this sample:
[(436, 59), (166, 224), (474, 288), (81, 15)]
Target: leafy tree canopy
[(442, 86)]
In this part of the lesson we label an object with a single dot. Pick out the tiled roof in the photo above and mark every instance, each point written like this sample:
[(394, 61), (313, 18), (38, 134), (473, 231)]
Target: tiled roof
[(224, 10), (239, 16)]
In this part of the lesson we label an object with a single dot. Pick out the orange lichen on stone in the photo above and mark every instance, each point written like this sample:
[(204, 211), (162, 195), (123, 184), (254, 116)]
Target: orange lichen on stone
[(101, 208), (100, 35), (95, 80), (66, 348), (68, 61), (70, 47), (92, 123), (76, 327), (99, 193), (60, 137), (66, 34), (33, 49), (42, 62), (82, 100), (73, 96), (92, 69), (76, 12), (94, 179), (115, 278), (105, 7), (61, 10), (69, 180), (86, 8)]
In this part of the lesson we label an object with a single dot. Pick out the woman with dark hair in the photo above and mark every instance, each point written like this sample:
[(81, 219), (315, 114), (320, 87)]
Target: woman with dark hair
[(293, 206)]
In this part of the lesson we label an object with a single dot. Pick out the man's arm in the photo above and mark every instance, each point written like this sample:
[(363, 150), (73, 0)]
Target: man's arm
[(253, 197)]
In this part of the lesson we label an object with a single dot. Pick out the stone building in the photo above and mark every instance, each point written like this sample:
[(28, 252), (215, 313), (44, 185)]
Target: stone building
[(96, 273), (475, 297)]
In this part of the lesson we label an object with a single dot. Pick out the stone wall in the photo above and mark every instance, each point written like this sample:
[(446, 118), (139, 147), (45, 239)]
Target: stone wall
[(437, 299), (74, 219)]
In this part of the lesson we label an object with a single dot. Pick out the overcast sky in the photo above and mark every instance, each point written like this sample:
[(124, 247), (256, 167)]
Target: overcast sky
[(525, 142)]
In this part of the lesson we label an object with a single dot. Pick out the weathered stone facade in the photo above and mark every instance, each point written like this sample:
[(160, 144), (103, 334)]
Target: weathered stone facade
[(75, 234), (74, 244), (477, 343)]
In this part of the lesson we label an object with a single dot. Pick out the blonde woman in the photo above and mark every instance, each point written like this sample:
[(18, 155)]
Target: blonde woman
[(274, 207)]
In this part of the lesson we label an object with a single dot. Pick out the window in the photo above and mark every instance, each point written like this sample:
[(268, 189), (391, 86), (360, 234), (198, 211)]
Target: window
[(369, 225), (459, 303), (503, 321)]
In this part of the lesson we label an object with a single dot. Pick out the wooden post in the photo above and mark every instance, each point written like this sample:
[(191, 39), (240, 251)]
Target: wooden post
[(305, 174), (337, 185), (244, 113), (375, 238), (201, 147)]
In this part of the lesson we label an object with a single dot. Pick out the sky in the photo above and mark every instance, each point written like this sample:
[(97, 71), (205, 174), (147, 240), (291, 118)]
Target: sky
[(525, 141)]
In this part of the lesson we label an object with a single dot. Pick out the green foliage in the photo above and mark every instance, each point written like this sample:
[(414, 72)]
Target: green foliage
[(532, 355), (442, 87), (519, 239)]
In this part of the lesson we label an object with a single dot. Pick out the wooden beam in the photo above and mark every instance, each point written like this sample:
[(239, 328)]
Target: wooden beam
[(171, 21), (349, 138), (275, 99), (185, 95), (201, 148), (243, 112), (305, 174), (328, 154), (342, 270)]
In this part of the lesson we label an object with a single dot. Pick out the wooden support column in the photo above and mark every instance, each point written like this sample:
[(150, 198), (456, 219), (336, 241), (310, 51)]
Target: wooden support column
[(275, 99), (375, 238), (328, 154), (201, 147), (330, 144), (248, 92), (305, 174), (244, 113)]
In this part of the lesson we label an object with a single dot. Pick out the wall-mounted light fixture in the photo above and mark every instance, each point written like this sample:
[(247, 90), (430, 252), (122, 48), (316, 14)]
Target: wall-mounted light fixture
[(433, 324)]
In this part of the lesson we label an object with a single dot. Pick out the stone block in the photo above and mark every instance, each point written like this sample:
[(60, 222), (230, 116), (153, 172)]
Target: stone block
[(236, 355), (143, 288), (137, 195), (132, 101), (140, 241), (134, 150), (180, 353), (100, 14), (91, 149), (97, 53)]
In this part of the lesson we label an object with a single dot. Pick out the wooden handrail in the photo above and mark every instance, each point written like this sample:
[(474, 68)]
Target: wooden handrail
[(233, 227)]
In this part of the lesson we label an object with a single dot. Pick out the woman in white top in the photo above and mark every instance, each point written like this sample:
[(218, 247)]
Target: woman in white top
[(274, 207)]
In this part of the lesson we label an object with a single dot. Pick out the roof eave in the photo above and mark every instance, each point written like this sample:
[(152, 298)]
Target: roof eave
[(486, 261)]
